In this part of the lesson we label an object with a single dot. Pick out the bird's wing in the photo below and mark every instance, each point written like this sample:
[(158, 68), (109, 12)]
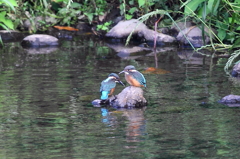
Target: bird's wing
[(139, 76), (107, 86)]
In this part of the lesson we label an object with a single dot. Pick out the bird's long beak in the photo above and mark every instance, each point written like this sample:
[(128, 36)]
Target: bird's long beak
[(121, 83), (121, 72)]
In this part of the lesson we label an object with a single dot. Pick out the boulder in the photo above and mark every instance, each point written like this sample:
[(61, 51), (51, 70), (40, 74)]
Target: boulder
[(131, 96), (231, 100), (236, 70), (149, 35), (10, 35), (194, 35), (39, 40), (181, 26), (125, 27)]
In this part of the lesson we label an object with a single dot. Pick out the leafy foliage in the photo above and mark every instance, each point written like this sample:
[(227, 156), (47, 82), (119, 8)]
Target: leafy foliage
[(5, 22)]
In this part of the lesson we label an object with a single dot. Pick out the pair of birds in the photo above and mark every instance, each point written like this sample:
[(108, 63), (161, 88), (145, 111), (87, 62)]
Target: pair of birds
[(132, 76)]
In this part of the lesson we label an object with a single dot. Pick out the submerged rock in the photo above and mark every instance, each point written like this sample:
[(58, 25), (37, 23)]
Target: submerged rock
[(39, 40), (129, 52), (131, 96), (194, 36), (231, 100)]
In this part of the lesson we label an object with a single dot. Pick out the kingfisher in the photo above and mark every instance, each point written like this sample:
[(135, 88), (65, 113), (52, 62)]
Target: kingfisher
[(134, 77), (108, 85)]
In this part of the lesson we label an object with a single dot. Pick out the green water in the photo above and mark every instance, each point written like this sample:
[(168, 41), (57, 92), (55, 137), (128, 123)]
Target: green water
[(46, 111)]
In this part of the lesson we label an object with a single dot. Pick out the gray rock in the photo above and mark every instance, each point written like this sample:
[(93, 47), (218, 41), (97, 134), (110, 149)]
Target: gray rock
[(10, 35), (124, 28), (128, 52), (236, 70), (181, 25), (131, 96), (194, 35), (231, 100), (39, 40), (149, 35), (82, 26)]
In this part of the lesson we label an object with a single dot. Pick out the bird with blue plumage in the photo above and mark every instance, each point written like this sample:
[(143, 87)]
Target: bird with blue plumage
[(134, 77), (108, 85)]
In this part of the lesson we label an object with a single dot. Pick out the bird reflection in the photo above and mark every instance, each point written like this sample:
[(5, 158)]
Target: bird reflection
[(135, 127)]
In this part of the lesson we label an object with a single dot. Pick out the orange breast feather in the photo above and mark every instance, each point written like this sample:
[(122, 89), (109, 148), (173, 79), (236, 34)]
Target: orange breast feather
[(132, 81)]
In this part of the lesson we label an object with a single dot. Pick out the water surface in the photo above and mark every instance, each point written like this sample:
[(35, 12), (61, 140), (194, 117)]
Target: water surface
[(46, 111)]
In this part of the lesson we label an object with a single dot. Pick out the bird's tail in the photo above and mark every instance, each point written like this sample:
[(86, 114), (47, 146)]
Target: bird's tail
[(104, 95)]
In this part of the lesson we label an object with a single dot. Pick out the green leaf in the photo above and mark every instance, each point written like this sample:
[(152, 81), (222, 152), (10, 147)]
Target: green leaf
[(90, 16), (221, 34), (236, 44), (213, 6), (141, 3), (75, 5), (5, 21), (131, 2), (132, 10), (59, 1), (127, 16), (9, 23), (10, 3), (203, 12), (192, 6)]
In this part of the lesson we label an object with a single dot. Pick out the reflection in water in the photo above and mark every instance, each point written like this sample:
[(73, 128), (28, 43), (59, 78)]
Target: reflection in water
[(135, 127)]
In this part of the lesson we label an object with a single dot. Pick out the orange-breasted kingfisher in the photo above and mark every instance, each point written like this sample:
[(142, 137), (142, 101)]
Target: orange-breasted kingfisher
[(108, 85), (134, 77)]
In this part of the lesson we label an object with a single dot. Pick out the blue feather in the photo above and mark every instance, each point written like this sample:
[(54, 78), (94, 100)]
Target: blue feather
[(104, 95)]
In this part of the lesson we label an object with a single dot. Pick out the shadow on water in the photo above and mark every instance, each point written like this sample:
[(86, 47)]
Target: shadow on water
[(46, 109)]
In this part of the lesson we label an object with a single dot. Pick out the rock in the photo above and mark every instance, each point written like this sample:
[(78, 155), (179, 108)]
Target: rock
[(129, 52), (194, 59), (181, 25), (11, 35), (39, 40), (131, 96), (97, 103), (194, 35), (124, 28), (84, 27), (149, 35), (231, 100), (236, 70)]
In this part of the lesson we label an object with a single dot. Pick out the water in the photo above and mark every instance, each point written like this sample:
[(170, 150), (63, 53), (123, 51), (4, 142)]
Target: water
[(46, 111)]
